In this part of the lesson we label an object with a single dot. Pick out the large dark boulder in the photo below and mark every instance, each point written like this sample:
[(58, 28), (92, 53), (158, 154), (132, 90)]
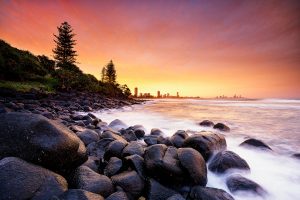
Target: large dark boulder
[(195, 165), (206, 143), (226, 160), (255, 144), (113, 167), (206, 123), (237, 183), (178, 138), (154, 159), (39, 140), (22, 180), (118, 196), (156, 131), (207, 193), (93, 163), (221, 127), (156, 191), (88, 136), (130, 182), (115, 149), (150, 139), (139, 131), (97, 149), (117, 125), (78, 194), (133, 148), (113, 135), (136, 163), (86, 179)]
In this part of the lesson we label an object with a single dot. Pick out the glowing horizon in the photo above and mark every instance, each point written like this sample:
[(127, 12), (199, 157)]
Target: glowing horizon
[(198, 48)]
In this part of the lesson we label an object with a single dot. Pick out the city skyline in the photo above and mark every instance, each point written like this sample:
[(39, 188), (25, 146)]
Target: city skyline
[(200, 48)]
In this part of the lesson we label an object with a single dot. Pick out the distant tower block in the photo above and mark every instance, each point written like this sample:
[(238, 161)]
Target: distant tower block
[(177, 95), (158, 94), (135, 92)]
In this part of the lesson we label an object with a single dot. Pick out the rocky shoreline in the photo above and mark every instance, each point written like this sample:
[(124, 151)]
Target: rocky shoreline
[(49, 151)]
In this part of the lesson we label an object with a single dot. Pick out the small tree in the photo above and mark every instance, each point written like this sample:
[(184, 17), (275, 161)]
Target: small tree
[(110, 72), (64, 52), (103, 75)]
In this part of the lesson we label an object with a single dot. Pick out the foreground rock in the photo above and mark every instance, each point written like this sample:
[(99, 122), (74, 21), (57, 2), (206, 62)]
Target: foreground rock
[(39, 140), (237, 183), (226, 160), (86, 179), (254, 143), (22, 180), (157, 191), (206, 143), (77, 194), (221, 127), (206, 193)]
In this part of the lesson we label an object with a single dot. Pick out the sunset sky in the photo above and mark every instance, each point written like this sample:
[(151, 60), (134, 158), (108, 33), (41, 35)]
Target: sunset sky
[(198, 48)]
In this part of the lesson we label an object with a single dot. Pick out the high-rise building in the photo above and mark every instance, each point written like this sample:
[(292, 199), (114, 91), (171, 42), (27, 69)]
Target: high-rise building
[(135, 92), (158, 94)]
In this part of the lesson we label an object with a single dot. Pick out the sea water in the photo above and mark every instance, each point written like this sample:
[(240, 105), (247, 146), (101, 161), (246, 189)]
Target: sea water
[(276, 122)]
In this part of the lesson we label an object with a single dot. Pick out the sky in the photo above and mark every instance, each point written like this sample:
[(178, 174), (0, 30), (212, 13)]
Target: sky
[(198, 48)]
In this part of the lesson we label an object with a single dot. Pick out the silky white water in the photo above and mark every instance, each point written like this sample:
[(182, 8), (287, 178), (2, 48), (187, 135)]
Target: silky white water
[(276, 122)]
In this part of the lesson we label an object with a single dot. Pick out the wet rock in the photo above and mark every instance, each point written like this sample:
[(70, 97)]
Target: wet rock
[(206, 143), (163, 140), (237, 183), (133, 148), (255, 143), (113, 167), (207, 193), (117, 125), (130, 182), (150, 140), (22, 180), (88, 136), (76, 117), (156, 131), (129, 135), (115, 149), (194, 163), (40, 141), (115, 136), (221, 127), (206, 123), (118, 196), (225, 160), (139, 131), (136, 163), (87, 108), (296, 155), (77, 128), (98, 148), (86, 179), (78, 194), (92, 116), (176, 197), (92, 163), (171, 167), (157, 191), (154, 159), (178, 138)]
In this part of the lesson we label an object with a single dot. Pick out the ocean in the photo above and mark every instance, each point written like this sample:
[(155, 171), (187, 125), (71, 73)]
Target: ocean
[(275, 121)]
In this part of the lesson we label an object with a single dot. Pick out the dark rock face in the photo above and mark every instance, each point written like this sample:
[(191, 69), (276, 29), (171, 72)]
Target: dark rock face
[(171, 166), (114, 149), (176, 197), (133, 148), (178, 138), (255, 143), (206, 123), (237, 183), (156, 131), (117, 196), (86, 179), (154, 159), (112, 135), (150, 140), (129, 135), (206, 143), (98, 148), (77, 194), (130, 182), (194, 163), (136, 163), (157, 191), (40, 141), (117, 125), (139, 131), (221, 127), (93, 163), (164, 140), (113, 167), (22, 180), (227, 160), (206, 193), (88, 136)]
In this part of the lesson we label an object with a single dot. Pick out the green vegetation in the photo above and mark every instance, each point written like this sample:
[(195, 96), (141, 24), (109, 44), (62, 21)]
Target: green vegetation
[(22, 71)]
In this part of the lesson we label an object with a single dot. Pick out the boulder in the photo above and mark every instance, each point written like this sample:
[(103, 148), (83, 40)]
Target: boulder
[(150, 139), (78, 194), (237, 183), (98, 148), (178, 138), (76, 128), (164, 140), (171, 167), (136, 163), (113, 167), (193, 162), (22, 180), (86, 179), (117, 125), (226, 160), (255, 143), (130, 182), (176, 197), (118, 196), (296, 155), (133, 148), (207, 193), (221, 127), (129, 135), (88, 136), (39, 140), (139, 131), (93, 163), (156, 131), (206, 123), (115, 149), (154, 159), (157, 191), (112, 135), (206, 143)]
